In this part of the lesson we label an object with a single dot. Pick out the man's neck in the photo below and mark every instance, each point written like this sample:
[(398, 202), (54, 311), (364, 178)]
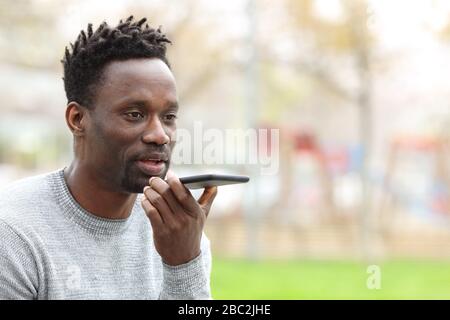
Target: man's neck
[(93, 197)]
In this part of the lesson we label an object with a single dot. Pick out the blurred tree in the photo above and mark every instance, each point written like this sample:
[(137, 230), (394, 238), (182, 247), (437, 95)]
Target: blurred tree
[(199, 56), (324, 45), (335, 53), (28, 33)]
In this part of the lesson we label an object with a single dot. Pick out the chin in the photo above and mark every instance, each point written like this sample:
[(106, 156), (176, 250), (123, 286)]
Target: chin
[(135, 183)]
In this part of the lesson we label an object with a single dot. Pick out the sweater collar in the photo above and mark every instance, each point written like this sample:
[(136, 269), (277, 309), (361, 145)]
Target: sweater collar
[(76, 213)]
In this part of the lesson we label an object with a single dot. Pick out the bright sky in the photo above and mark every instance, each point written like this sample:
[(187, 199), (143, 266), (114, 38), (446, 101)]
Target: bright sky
[(399, 23)]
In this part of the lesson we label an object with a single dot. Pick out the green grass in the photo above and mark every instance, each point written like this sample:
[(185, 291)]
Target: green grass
[(241, 279)]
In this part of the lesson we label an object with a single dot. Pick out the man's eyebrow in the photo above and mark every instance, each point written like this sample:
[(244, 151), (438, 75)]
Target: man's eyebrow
[(173, 105), (144, 104), (136, 103)]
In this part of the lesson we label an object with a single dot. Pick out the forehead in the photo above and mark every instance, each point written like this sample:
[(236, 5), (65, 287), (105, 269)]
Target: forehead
[(144, 79)]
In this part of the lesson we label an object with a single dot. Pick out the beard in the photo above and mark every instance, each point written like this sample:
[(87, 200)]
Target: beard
[(133, 180)]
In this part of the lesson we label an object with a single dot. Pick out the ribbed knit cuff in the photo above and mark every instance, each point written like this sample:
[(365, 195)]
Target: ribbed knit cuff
[(186, 281)]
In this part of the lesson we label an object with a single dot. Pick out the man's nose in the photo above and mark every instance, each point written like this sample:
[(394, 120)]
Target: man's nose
[(155, 133)]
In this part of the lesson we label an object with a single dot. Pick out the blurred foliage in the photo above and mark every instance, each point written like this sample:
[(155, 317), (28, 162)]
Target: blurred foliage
[(444, 33), (281, 91), (29, 34), (320, 50), (336, 35)]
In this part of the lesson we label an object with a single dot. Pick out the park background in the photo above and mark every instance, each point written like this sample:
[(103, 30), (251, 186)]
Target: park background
[(359, 91)]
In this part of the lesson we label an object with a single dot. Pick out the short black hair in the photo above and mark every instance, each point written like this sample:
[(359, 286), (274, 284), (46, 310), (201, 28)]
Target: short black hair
[(84, 63)]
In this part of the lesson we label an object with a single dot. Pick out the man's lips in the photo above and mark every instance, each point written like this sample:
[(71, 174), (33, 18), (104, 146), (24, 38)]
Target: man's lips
[(154, 156), (151, 167)]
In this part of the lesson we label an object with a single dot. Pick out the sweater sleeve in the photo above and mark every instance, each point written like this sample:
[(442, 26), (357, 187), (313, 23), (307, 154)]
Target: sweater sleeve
[(18, 272), (189, 281)]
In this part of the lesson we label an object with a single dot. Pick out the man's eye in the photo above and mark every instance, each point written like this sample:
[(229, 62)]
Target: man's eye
[(170, 117), (134, 115)]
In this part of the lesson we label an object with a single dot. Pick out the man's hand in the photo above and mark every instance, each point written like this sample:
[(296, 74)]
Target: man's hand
[(176, 217)]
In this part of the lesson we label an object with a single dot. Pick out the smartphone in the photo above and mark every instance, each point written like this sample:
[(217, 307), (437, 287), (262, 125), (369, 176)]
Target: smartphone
[(207, 180)]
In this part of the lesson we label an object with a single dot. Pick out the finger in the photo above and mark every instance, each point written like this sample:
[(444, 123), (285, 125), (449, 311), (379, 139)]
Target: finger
[(157, 201), (164, 190), (207, 198), (152, 213), (183, 195), (169, 174)]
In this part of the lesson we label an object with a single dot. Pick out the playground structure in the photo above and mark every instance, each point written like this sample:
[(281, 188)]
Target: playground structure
[(316, 211)]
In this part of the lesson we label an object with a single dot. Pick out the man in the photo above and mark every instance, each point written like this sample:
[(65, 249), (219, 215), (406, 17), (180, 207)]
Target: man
[(108, 226)]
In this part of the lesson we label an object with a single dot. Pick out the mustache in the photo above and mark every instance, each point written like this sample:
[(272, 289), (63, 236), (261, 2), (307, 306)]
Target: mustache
[(155, 152)]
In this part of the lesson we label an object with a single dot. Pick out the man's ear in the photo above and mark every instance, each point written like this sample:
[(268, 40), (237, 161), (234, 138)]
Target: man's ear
[(76, 118)]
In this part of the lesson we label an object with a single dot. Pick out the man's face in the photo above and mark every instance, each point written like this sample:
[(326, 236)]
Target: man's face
[(132, 124)]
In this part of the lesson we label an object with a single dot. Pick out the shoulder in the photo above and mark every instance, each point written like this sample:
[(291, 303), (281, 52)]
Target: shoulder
[(21, 200)]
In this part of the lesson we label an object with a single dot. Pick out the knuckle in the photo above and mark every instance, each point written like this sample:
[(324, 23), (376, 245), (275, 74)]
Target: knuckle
[(145, 204), (151, 213), (166, 191), (157, 200), (152, 210), (147, 193), (174, 227), (184, 197), (180, 226)]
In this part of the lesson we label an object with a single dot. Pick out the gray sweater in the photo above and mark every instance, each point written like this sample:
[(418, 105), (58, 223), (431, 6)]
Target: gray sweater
[(52, 248)]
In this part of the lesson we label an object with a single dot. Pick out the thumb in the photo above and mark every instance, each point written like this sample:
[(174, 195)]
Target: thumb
[(207, 198)]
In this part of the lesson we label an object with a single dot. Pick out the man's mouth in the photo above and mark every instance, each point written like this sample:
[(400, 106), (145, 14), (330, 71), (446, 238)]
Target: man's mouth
[(151, 167)]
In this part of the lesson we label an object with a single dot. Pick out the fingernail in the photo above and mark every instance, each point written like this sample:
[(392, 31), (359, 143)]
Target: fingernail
[(146, 187)]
